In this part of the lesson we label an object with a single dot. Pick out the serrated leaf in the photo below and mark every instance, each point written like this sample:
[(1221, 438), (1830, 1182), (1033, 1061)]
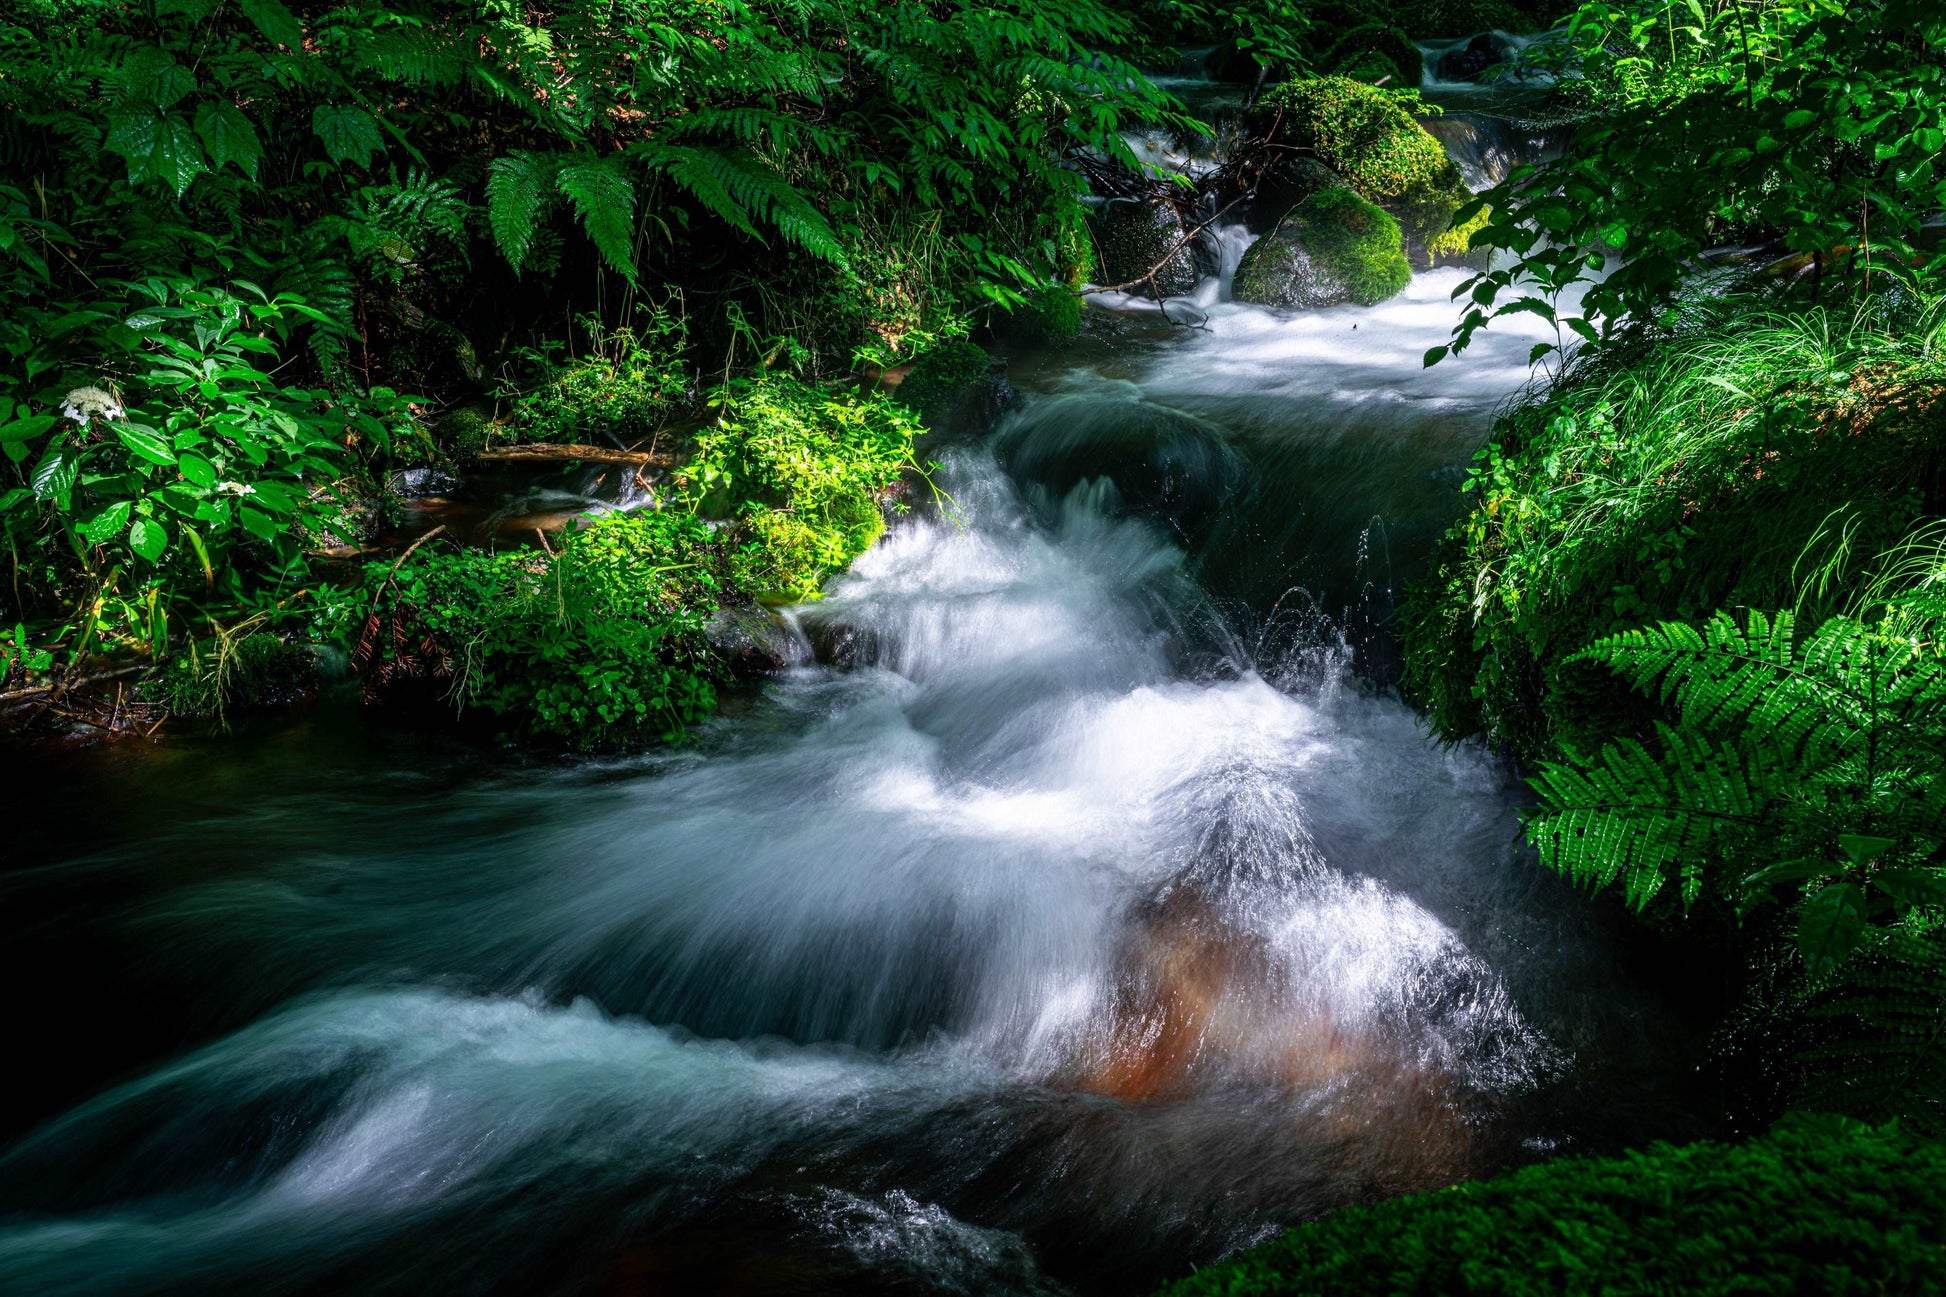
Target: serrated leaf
[(146, 442), (229, 137), (350, 134), (106, 524), (518, 187)]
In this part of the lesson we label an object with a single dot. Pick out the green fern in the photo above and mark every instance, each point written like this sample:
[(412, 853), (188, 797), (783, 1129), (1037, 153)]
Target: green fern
[(1883, 1026), (1813, 765), (604, 198), (739, 189), (520, 186)]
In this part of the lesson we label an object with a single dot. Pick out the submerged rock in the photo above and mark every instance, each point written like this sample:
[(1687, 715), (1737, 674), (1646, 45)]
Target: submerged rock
[(753, 640), (956, 387), (1135, 235), (1469, 61), (1334, 248)]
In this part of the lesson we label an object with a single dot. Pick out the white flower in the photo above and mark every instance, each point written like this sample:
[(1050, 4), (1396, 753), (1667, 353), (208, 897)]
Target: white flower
[(85, 404), (235, 488)]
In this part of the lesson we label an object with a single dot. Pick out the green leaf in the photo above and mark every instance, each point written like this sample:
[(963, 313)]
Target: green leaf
[(28, 428), (54, 476), (518, 186), (229, 137), (350, 134), (1435, 355), (157, 147), (1830, 926), (148, 538), (1799, 117), (1914, 886), (196, 470), (1861, 849), (146, 442), (257, 524), (275, 22), (106, 524)]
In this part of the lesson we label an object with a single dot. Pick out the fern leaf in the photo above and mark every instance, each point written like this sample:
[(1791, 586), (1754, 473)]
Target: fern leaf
[(519, 186), (604, 197)]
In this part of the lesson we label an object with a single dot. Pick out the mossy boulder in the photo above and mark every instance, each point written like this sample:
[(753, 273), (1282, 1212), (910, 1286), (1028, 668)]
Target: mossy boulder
[(1334, 248), (957, 387), (1134, 236), (1453, 246), (1361, 137), (1050, 316)]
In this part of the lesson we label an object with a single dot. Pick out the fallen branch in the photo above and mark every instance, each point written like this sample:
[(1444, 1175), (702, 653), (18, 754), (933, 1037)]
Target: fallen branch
[(549, 453)]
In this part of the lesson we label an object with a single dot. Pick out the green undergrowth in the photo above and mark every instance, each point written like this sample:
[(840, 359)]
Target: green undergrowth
[(243, 668), (1817, 1205), (601, 638), (1755, 460), (623, 388)]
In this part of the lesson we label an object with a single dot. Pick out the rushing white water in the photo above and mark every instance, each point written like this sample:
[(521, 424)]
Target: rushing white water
[(1078, 916)]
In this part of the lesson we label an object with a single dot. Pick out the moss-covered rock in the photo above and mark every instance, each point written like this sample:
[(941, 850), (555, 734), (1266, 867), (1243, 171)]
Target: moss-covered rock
[(1335, 247), (215, 678), (945, 381), (1052, 315), (1368, 141), (1134, 237), (1815, 1206)]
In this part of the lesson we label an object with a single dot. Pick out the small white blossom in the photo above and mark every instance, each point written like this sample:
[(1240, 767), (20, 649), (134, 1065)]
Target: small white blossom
[(235, 488), (85, 404)]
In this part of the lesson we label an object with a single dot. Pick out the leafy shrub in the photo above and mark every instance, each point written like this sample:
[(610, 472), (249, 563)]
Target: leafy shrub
[(596, 643), (1818, 125), (152, 461), (626, 387), (1817, 1205), (240, 669), (798, 471), (1369, 140)]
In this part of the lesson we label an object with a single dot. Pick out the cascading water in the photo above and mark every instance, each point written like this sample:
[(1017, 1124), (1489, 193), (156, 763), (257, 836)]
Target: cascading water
[(1072, 921)]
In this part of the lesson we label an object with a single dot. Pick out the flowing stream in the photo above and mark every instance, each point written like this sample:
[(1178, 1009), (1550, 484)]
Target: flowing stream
[(1074, 915)]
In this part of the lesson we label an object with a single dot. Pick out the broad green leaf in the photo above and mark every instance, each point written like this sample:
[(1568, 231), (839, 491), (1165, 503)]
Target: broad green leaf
[(1799, 117), (196, 470), (28, 428), (275, 21), (257, 524), (1919, 886), (148, 538), (107, 523), (229, 136), (350, 134), (53, 477), (146, 442), (1830, 926), (1860, 849)]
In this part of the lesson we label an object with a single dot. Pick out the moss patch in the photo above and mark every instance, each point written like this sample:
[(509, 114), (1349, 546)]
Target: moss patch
[(1368, 139), (941, 380), (1335, 247), (1816, 1206)]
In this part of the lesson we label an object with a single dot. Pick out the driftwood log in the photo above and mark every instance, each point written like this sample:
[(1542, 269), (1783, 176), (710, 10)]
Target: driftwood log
[(548, 453)]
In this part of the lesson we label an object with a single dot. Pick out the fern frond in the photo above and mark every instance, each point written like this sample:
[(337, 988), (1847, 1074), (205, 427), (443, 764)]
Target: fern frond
[(1883, 1026), (519, 187), (604, 198), (739, 189)]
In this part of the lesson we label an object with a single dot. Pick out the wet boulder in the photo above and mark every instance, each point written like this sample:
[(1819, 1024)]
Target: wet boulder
[(1334, 248), (1370, 144), (1470, 61), (956, 387), (755, 641), (1135, 235)]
